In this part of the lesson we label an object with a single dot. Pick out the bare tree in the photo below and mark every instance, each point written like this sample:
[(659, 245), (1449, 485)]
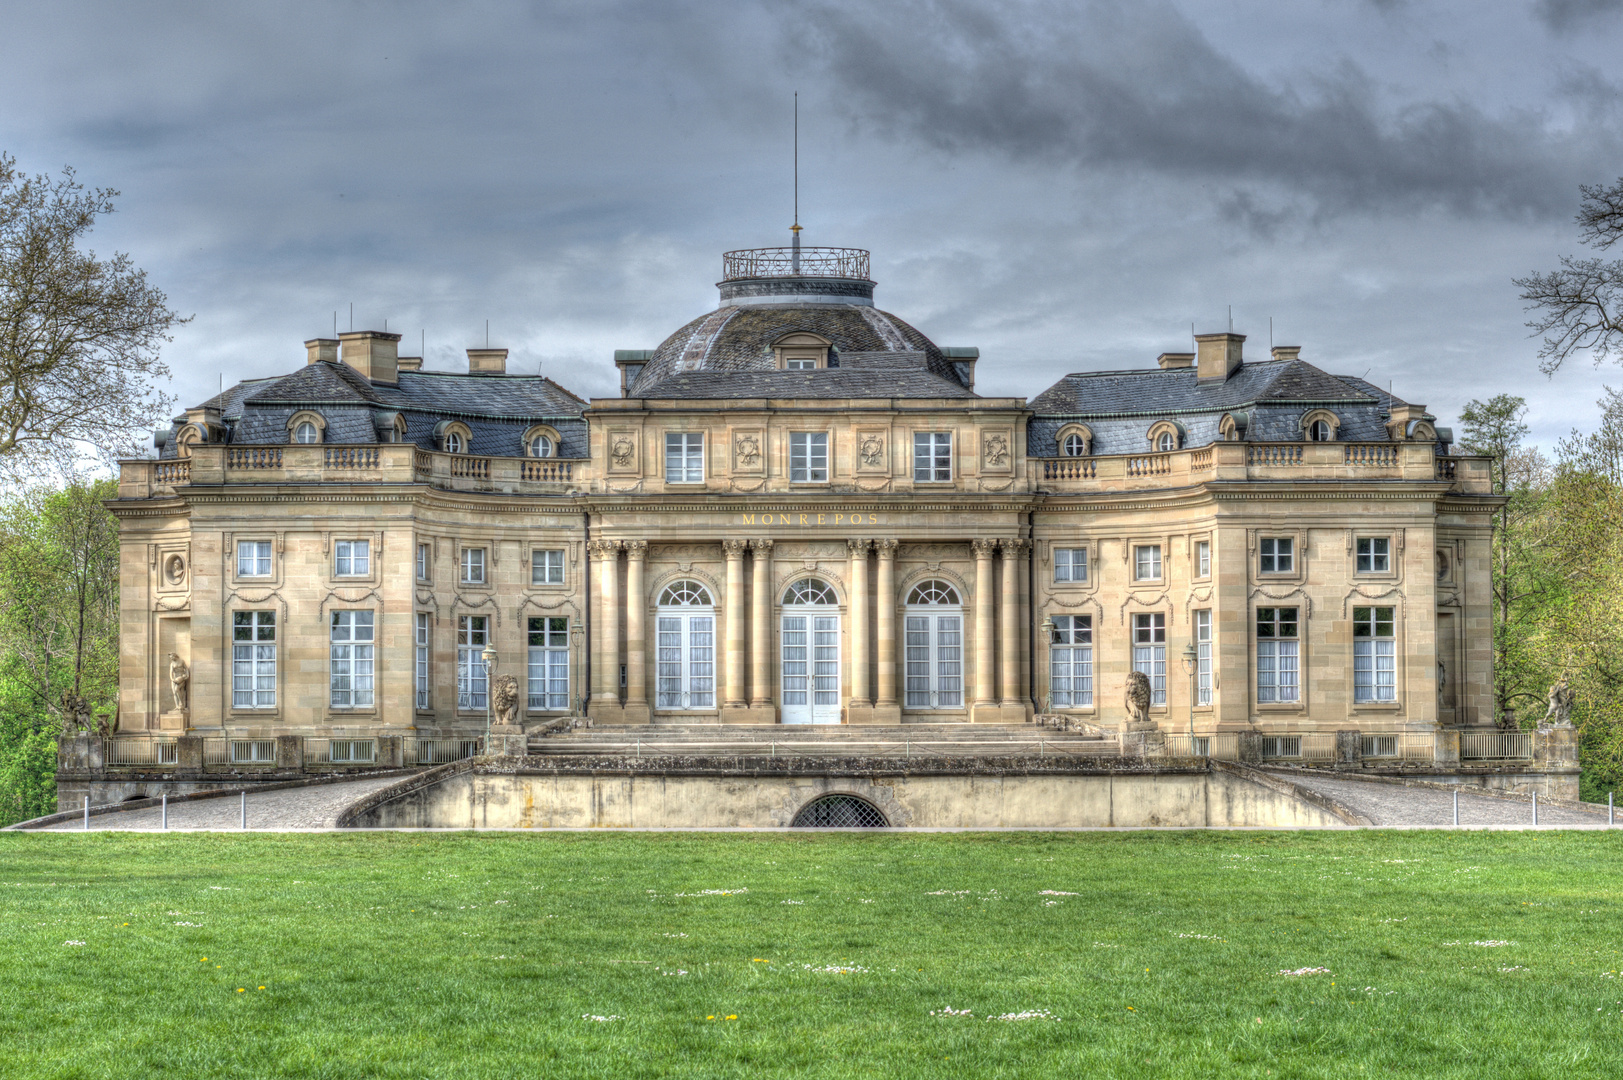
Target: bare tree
[(1580, 306), (79, 336)]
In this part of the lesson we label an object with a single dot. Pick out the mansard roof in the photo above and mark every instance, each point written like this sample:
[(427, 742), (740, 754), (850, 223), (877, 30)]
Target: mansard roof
[(1158, 392)]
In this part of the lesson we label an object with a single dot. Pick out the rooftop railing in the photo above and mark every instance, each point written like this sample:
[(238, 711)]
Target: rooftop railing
[(830, 262), (1237, 461)]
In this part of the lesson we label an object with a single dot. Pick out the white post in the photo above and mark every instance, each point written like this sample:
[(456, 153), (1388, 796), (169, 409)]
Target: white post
[(1456, 809), (1608, 808), (87, 813), (166, 810), (244, 809), (1535, 809)]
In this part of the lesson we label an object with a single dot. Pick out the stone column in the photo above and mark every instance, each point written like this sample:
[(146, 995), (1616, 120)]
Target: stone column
[(985, 707), (637, 711), (606, 697), (888, 709), (1009, 629), (761, 634), (861, 703), (734, 697)]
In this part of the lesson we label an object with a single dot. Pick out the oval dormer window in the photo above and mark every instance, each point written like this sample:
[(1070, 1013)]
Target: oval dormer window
[(1166, 441), (306, 433), (1319, 431), (453, 442), (1075, 446), (541, 446)]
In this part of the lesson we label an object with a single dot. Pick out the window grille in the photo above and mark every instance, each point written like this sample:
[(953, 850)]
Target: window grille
[(253, 752), (839, 812)]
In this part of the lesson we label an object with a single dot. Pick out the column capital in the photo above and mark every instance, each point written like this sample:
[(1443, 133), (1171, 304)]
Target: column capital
[(886, 548), (983, 549), (636, 549), (604, 549), (734, 548), (859, 547), (1017, 548), (763, 546)]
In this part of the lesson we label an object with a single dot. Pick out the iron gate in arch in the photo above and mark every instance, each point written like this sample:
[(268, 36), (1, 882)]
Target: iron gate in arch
[(839, 812)]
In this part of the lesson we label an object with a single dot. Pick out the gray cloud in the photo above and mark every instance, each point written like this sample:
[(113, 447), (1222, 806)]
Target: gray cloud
[(1564, 16)]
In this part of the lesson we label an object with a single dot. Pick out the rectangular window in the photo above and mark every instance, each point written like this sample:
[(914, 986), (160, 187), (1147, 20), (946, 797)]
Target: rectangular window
[(1203, 657), (808, 457), (424, 643), (253, 660), (351, 659), (1070, 662), (549, 662), (1203, 558), (473, 566), (1374, 555), (1278, 655), (932, 456), (472, 634), (354, 558), (684, 458), (1277, 555), (1070, 564), (547, 567), (1150, 651), (1374, 655), (253, 558), (1147, 562), (423, 555)]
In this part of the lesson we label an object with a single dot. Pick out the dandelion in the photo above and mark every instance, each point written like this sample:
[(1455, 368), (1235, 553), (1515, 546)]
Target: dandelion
[(734, 1016), (240, 990)]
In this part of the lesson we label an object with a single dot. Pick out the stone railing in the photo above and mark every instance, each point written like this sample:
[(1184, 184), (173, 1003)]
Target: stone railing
[(382, 463), (1237, 461)]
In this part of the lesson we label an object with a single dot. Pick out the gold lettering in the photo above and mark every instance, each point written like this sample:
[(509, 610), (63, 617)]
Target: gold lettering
[(819, 519), (749, 519), (837, 518), (803, 519), (783, 519)]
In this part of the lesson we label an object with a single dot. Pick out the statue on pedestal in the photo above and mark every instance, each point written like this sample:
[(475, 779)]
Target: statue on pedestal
[(179, 677), (1559, 713), (504, 699), (1138, 702)]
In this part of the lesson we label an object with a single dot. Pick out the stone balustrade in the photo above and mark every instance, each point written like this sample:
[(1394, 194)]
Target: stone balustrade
[(1237, 461)]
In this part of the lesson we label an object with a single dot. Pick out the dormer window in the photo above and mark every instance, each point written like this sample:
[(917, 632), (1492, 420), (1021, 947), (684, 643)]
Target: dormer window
[(453, 442), (1318, 431), (306, 433), (1165, 436), (541, 446), (1166, 441), (1075, 446), (1320, 425), (801, 352)]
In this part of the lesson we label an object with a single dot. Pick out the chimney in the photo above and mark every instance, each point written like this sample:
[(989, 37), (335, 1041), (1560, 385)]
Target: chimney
[(318, 349), (373, 353), (1218, 356), (1170, 360), (487, 361), (963, 359), (1286, 352), (410, 363)]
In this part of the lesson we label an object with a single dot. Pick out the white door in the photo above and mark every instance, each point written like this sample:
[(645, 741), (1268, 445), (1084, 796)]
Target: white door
[(811, 667), (685, 661), (935, 660)]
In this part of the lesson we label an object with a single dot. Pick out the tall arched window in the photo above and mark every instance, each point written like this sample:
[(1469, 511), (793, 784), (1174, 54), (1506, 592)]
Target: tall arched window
[(685, 648), (934, 628)]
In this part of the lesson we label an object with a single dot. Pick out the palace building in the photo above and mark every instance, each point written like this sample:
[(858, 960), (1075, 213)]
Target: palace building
[(800, 510)]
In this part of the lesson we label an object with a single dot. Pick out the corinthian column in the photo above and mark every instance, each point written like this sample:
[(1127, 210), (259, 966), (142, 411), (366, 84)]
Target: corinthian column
[(859, 623), (607, 664), (761, 645), (885, 627), (985, 654), (1009, 675), (735, 623), (636, 632)]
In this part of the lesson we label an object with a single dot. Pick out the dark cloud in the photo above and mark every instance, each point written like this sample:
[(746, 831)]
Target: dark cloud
[(1138, 86), (1563, 16)]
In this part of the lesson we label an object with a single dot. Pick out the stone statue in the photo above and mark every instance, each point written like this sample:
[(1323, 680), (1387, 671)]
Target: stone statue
[(1559, 713), (75, 714), (180, 676), (1138, 700), (504, 699)]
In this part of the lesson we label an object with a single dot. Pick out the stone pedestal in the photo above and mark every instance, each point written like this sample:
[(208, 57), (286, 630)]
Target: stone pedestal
[(79, 753), (174, 720), (1250, 747), (1447, 749), (391, 751), (1349, 750), (1140, 742), (1555, 746), (508, 740), (290, 752)]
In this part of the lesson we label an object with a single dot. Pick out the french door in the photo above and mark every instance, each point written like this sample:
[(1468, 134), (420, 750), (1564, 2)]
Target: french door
[(935, 660), (810, 676), (685, 661)]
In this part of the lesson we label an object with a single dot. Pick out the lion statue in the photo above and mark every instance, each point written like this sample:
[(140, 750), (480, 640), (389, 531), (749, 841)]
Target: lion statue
[(504, 699), (1138, 699)]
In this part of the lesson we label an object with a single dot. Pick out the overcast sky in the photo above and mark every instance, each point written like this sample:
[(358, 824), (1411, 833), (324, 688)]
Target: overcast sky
[(1066, 185)]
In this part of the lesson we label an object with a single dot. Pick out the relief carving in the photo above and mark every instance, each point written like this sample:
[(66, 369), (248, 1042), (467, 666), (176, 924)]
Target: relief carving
[(747, 448), (997, 450), (623, 450), (872, 451)]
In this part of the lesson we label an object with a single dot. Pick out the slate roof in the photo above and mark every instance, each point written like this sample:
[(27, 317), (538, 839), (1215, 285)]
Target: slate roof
[(825, 384), (739, 340)]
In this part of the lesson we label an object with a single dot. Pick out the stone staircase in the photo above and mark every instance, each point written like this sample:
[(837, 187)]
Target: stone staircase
[(797, 740)]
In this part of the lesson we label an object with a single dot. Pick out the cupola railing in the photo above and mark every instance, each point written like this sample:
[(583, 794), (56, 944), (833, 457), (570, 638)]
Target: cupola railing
[(829, 262)]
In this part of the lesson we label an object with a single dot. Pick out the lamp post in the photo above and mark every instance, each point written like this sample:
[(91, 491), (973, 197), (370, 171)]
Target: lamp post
[(577, 634), (1191, 663), (1048, 639), (489, 657)]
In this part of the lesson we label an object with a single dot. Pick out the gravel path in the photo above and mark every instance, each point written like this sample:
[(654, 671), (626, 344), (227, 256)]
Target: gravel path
[(313, 807), (1427, 808)]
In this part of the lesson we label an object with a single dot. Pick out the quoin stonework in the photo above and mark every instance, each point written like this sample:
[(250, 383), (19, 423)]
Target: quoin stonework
[(799, 510)]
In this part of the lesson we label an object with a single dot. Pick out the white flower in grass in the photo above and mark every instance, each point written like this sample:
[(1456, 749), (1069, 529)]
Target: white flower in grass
[(1056, 892), (600, 1019), (1307, 971), (950, 1011), (1027, 1014), (73, 943), (1492, 944)]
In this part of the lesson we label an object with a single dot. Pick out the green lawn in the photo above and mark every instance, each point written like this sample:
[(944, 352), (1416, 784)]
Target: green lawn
[(1155, 954)]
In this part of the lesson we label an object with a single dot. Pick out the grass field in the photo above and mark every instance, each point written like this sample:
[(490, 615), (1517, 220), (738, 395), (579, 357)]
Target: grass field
[(815, 955)]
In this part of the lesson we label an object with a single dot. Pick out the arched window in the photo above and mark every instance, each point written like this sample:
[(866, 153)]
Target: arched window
[(306, 433), (839, 812), (810, 591), (1319, 431), (453, 442), (1075, 445), (541, 446), (685, 594), (685, 648), (934, 647), (932, 592), (1166, 441)]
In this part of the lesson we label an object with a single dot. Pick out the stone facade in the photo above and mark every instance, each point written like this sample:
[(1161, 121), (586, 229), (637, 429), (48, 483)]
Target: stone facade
[(637, 571)]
